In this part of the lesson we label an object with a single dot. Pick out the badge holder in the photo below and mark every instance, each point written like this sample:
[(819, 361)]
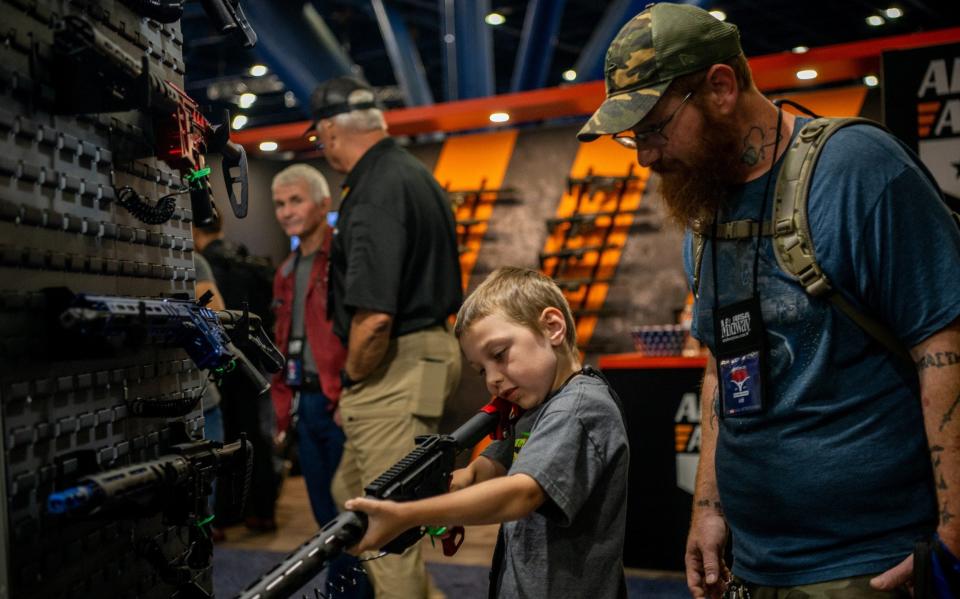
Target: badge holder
[(293, 370), (741, 358)]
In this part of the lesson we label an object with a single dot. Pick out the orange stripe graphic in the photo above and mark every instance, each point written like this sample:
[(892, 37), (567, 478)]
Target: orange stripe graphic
[(928, 107), (472, 163), (583, 254), (682, 434)]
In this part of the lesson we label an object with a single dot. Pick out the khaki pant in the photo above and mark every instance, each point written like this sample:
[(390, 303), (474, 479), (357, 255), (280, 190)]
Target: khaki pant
[(857, 587), (381, 417)]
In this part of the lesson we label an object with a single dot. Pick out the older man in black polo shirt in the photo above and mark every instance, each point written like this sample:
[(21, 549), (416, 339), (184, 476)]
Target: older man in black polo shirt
[(394, 281)]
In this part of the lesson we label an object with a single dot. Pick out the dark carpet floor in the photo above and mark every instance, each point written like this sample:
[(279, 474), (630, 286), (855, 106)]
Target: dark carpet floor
[(234, 569)]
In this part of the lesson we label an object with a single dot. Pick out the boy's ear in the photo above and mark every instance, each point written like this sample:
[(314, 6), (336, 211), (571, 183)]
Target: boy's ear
[(554, 325)]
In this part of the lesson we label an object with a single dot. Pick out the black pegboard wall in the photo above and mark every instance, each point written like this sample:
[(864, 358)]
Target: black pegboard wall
[(66, 412)]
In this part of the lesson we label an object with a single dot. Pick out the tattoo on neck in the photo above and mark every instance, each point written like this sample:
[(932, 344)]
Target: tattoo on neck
[(938, 360), (754, 146)]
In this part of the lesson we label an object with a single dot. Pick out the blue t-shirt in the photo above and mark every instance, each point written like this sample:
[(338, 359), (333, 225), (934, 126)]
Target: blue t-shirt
[(834, 478)]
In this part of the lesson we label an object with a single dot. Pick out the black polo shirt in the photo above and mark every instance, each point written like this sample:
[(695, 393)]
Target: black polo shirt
[(395, 246)]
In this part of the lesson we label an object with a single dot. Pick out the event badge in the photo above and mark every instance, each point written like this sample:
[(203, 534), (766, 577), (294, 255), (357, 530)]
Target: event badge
[(741, 358), (293, 371)]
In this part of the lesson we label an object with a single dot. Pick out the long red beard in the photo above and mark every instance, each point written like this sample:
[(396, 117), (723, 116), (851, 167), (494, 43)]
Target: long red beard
[(694, 189)]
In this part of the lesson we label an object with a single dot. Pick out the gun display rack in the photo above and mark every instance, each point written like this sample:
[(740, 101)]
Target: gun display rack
[(586, 239), (472, 211), (68, 409)]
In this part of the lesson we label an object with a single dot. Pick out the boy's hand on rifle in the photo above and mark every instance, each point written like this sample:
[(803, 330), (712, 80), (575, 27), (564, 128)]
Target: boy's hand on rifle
[(462, 478), (385, 522)]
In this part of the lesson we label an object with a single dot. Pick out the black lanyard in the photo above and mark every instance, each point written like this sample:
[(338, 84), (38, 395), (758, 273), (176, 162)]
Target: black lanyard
[(763, 213), (739, 333)]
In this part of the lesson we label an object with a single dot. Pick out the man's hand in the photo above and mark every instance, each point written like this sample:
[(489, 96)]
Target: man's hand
[(385, 522), (896, 577), (337, 417), (707, 574)]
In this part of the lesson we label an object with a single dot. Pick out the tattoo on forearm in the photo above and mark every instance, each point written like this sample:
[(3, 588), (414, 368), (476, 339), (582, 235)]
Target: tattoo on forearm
[(949, 415), (706, 503), (716, 408), (936, 452), (945, 515), (938, 360)]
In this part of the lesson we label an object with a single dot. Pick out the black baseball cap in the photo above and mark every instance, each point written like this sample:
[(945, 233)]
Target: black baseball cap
[(336, 96)]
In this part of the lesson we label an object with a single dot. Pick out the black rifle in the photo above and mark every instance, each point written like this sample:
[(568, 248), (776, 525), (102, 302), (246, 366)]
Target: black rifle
[(227, 15), (177, 485), (200, 331), (93, 74), (424, 472)]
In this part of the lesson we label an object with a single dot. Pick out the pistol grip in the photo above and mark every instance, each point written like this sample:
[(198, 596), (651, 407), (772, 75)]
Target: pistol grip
[(453, 539)]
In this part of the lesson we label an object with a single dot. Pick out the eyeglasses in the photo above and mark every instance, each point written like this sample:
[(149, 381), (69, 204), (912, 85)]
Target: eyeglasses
[(652, 137)]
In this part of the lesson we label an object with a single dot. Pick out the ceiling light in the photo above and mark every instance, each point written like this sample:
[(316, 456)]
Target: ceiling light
[(499, 117), (569, 75), (247, 99), (800, 49), (494, 19), (875, 20), (871, 81), (893, 13), (238, 121), (268, 146), (258, 70), (806, 74), (719, 15)]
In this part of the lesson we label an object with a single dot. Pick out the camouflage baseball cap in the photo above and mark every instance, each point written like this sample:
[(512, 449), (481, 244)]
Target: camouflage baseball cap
[(661, 43)]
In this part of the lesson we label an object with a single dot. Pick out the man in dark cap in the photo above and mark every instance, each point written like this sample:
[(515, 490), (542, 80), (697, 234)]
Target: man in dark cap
[(817, 451), (394, 281)]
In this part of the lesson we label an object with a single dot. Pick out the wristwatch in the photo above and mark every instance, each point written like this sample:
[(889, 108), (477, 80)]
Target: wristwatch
[(345, 381)]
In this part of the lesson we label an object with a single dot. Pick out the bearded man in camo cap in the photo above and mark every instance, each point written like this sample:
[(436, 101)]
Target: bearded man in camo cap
[(826, 476)]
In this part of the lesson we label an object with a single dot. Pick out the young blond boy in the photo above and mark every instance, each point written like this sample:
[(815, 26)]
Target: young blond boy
[(559, 482)]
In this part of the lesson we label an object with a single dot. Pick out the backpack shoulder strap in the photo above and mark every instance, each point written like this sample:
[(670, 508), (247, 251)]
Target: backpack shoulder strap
[(792, 241)]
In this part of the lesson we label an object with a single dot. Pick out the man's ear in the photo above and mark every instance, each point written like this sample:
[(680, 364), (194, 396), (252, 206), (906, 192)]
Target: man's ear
[(721, 89), (554, 325)]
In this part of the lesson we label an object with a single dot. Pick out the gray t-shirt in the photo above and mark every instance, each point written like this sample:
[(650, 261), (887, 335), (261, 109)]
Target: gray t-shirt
[(301, 284), (575, 446)]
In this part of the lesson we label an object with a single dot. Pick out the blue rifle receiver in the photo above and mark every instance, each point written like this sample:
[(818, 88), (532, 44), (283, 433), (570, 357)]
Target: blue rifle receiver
[(200, 331)]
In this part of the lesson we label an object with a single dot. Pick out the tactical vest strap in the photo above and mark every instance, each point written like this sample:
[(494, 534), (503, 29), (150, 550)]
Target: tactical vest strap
[(738, 229), (743, 229)]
